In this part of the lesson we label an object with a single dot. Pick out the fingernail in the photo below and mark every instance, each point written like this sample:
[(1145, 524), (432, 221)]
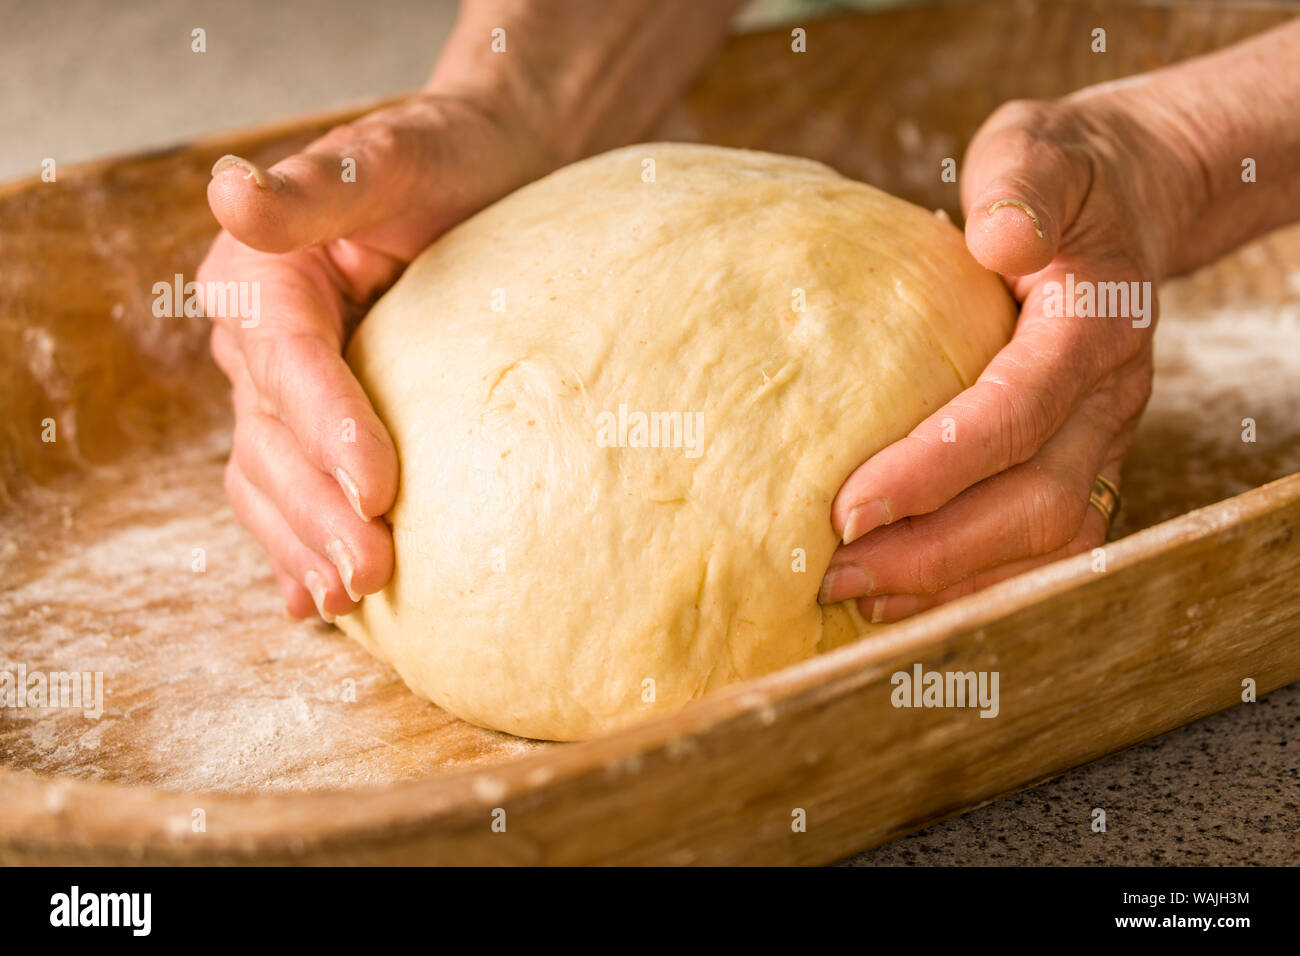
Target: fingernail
[(843, 582), (894, 607), (341, 556), (318, 588), (866, 517), (350, 491), (1023, 207), (255, 172)]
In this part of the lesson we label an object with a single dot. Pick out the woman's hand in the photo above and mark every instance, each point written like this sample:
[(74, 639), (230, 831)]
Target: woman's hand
[(522, 87), (311, 463), (1125, 182), (1070, 195)]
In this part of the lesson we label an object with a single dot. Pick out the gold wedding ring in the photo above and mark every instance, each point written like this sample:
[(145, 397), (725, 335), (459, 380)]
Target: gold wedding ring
[(1105, 498)]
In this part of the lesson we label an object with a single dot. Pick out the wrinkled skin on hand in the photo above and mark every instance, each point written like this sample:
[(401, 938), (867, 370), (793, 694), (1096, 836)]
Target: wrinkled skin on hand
[(312, 466), (1049, 189)]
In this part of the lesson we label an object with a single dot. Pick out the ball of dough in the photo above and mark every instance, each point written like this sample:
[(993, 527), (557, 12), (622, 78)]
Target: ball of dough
[(623, 399)]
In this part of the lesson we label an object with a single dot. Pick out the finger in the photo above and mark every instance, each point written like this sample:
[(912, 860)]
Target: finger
[(1031, 509), (314, 507), (887, 608), (312, 504), (404, 162), (297, 601), (1020, 191), (291, 358), (230, 360), (302, 380), (1020, 400), (256, 513), (226, 354), (311, 197)]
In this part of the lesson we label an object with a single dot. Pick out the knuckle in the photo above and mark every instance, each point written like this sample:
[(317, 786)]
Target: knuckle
[(225, 353), (251, 446), (1025, 415), (210, 266), (1085, 540), (1045, 151), (231, 482), (1021, 112), (297, 385), (931, 572), (1053, 513), (1037, 130), (1138, 389), (318, 517), (1117, 407), (264, 364), (271, 362), (375, 139), (913, 454), (261, 459), (1122, 345)]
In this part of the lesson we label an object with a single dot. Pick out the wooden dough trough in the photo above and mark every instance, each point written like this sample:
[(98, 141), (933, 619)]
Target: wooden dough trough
[(230, 734)]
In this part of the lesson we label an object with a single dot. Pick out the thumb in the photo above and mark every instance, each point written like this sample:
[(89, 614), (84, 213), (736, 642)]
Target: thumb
[(1020, 191), (399, 164)]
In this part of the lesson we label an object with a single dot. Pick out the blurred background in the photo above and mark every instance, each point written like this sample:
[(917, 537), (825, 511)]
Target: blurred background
[(80, 79)]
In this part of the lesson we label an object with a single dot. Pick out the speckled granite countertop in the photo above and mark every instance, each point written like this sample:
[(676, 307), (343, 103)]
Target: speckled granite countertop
[(1224, 790)]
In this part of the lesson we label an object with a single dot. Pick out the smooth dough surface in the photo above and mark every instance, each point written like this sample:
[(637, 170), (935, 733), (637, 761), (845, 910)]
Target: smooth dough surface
[(555, 578)]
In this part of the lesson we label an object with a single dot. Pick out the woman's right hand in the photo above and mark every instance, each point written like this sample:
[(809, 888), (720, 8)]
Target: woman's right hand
[(312, 464), (522, 87)]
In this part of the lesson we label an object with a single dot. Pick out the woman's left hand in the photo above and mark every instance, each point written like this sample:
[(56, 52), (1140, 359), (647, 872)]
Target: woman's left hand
[(1075, 188)]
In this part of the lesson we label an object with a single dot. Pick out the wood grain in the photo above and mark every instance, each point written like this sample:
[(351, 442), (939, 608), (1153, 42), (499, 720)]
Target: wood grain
[(215, 702), (1088, 663)]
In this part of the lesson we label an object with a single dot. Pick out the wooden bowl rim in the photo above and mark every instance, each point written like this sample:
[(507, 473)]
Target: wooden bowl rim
[(126, 817)]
